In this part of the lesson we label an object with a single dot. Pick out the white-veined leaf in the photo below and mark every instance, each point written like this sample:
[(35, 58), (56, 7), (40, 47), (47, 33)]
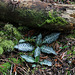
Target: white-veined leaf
[(46, 62), (39, 39), (34, 65), (24, 47), (16, 46), (48, 50), (28, 58), (21, 41), (37, 52), (51, 38)]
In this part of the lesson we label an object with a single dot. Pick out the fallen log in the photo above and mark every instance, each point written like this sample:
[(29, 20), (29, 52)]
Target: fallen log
[(34, 15)]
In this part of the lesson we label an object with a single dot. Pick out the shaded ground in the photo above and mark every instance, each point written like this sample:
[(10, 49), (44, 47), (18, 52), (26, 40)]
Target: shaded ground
[(63, 63)]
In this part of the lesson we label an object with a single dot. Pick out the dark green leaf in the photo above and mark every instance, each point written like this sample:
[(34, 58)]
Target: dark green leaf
[(37, 59)]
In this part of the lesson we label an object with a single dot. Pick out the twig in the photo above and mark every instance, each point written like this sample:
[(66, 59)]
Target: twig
[(28, 67), (11, 69), (15, 73), (61, 61), (20, 72), (44, 57), (58, 51), (21, 69), (13, 63), (43, 72), (6, 60)]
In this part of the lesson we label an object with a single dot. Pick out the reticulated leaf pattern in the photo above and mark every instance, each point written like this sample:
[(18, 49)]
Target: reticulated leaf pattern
[(48, 50), (24, 47), (28, 58), (39, 39), (46, 62), (51, 38), (37, 52)]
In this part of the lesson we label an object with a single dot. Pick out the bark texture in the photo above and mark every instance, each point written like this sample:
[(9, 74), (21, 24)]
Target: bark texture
[(12, 13)]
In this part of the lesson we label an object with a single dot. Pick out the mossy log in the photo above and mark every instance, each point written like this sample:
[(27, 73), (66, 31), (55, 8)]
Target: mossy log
[(30, 18)]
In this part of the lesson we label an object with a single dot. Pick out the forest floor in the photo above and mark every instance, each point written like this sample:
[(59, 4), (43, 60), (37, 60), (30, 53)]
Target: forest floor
[(62, 64)]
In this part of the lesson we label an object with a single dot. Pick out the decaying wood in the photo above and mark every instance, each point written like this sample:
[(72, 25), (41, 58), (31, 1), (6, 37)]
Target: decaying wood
[(9, 15)]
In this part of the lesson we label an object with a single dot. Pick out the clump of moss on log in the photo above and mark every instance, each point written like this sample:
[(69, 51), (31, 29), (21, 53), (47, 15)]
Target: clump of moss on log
[(54, 20)]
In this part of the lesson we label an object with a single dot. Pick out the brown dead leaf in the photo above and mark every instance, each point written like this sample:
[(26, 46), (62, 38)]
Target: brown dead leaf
[(14, 69), (44, 57), (58, 65), (63, 55), (55, 60)]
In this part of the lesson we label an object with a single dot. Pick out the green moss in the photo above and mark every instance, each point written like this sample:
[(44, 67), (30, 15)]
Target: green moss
[(17, 34), (8, 28), (22, 28), (12, 31), (52, 20), (32, 18), (9, 36), (7, 45), (1, 50), (1, 39), (1, 33), (4, 67)]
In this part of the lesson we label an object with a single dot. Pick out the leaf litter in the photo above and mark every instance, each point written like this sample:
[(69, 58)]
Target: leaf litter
[(63, 63)]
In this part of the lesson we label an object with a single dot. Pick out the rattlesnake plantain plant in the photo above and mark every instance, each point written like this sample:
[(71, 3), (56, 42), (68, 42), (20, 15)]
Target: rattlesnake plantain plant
[(40, 47)]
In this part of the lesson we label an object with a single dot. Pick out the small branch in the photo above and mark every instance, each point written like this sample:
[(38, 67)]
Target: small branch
[(21, 69), (61, 61), (20, 72)]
